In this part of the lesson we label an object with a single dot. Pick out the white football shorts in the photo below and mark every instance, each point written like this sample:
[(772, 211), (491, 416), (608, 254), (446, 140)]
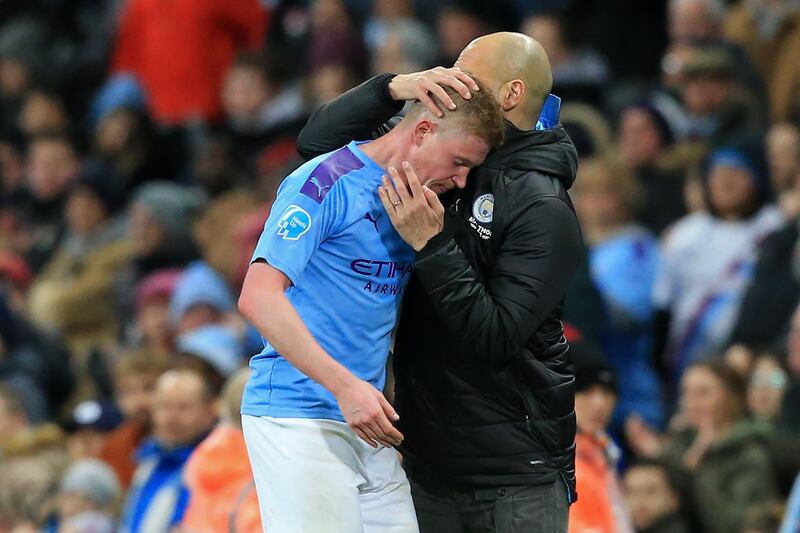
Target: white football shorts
[(317, 476)]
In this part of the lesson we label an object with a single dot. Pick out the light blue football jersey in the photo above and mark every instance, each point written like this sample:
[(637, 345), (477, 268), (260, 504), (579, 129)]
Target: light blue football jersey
[(329, 233)]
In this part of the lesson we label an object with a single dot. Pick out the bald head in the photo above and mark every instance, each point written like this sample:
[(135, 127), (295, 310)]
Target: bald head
[(183, 408), (516, 67)]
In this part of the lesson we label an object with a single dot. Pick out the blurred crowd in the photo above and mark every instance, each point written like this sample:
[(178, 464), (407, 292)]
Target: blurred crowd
[(141, 145)]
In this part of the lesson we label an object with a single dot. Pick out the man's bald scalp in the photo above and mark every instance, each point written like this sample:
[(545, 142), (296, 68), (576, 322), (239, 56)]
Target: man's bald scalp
[(522, 57), (519, 56)]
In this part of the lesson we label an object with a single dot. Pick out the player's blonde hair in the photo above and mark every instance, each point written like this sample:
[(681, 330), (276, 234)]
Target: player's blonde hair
[(480, 115)]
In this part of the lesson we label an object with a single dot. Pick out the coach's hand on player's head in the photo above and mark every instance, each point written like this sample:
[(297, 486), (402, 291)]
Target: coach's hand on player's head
[(415, 210), (369, 413), (424, 85)]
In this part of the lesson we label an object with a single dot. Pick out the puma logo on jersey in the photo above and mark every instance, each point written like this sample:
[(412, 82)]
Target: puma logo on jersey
[(320, 188), (374, 220)]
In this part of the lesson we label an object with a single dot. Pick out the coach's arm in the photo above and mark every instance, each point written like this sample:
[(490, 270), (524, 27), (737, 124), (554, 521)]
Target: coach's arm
[(367, 111), (495, 317)]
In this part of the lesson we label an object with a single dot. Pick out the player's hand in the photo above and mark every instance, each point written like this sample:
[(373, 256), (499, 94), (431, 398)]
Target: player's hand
[(369, 413), (415, 211), (424, 85)]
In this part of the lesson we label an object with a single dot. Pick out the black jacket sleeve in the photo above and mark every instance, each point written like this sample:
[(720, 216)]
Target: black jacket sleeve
[(355, 115), (540, 253)]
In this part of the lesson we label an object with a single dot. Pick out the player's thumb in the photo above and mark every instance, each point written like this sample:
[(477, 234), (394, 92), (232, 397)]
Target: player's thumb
[(388, 410)]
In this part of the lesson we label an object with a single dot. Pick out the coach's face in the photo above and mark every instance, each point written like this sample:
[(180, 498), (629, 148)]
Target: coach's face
[(444, 154)]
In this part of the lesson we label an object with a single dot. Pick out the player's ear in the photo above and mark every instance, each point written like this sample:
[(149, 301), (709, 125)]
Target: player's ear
[(423, 128)]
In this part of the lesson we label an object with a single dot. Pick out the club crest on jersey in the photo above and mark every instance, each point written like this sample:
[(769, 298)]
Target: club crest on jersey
[(294, 223), (483, 208)]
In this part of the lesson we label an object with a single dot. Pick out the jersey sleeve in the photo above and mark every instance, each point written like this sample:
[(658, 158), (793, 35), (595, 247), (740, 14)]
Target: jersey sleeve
[(306, 212)]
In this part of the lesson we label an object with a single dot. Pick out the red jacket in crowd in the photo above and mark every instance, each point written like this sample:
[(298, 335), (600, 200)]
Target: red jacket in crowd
[(180, 50)]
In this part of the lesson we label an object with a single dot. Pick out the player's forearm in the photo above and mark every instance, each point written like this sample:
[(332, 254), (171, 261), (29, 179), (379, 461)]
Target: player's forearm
[(277, 320)]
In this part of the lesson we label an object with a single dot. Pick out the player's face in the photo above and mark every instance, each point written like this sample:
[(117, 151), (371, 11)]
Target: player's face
[(444, 158)]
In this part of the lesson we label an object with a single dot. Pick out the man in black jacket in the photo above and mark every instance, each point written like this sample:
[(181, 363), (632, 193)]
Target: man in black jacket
[(484, 385)]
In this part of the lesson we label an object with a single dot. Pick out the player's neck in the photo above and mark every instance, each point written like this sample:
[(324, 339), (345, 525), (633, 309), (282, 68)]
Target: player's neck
[(387, 150)]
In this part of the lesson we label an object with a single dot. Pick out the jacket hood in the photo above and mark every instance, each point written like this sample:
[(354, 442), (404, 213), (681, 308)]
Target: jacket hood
[(549, 151)]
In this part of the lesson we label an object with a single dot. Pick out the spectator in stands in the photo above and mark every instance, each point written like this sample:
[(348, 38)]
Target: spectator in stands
[(766, 388), (42, 112), (718, 106), (770, 33), (784, 85), (330, 80), (589, 129), (160, 220), (762, 29), (126, 144), (693, 23), (53, 166), (653, 499), (31, 360), (764, 518), (407, 46), (334, 38), (218, 165), (790, 411), (89, 427), (384, 15), (21, 58), (644, 139), (216, 230), (783, 158), (707, 259), (623, 257), (201, 297), (88, 497), (717, 441), (74, 293), (774, 292), (695, 20), (214, 350), (257, 100), (600, 506), (30, 472), (336, 54), (579, 72), (184, 411), (182, 70), (135, 377), (459, 22), (152, 329), (12, 166), (13, 418), (218, 473)]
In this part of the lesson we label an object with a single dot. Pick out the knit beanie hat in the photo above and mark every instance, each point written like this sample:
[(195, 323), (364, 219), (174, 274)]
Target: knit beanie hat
[(94, 480), (172, 206)]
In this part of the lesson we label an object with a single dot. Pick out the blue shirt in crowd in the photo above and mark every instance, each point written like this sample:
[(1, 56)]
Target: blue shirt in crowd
[(157, 498), (623, 268), (330, 235)]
